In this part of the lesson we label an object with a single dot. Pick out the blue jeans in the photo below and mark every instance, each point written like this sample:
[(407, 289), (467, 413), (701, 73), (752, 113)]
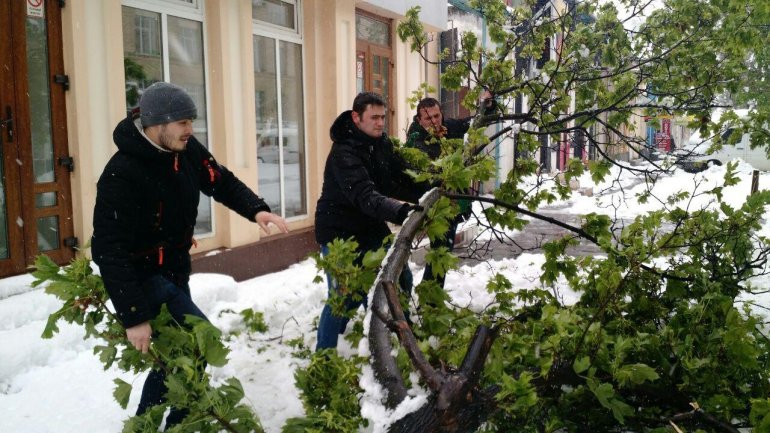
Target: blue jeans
[(331, 326), (158, 290)]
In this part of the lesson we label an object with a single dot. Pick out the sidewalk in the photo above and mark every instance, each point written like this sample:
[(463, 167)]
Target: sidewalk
[(472, 250)]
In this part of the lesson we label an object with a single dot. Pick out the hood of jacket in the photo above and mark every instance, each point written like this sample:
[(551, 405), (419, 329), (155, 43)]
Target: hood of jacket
[(130, 140), (344, 130)]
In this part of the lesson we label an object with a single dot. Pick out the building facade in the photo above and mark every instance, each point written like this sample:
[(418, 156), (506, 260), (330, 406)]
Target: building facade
[(268, 77)]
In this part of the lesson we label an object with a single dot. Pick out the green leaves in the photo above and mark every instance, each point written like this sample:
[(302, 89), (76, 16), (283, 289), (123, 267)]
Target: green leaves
[(330, 391), (254, 320), (657, 313), (209, 341), (635, 374), (606, 396), (517, 394), (122, 392), (183, 352), (410, 28)]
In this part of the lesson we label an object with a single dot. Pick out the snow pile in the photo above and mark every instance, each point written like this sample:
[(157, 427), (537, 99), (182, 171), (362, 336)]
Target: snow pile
[(58, 385)]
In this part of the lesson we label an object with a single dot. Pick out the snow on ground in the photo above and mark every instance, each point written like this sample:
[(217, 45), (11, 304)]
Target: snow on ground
[(58, 385)]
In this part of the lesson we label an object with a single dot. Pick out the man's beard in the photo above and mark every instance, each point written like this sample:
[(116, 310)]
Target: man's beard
[(166, 139)]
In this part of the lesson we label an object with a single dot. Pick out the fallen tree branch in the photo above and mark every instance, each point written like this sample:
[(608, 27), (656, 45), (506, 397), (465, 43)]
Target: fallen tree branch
[(699, 415), (455, 404), (383, 363)]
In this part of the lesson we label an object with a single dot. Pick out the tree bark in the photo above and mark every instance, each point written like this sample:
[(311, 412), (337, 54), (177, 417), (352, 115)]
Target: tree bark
[(384, 365), (455, 405)]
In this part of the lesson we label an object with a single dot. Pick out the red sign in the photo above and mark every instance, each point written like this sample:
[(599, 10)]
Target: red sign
[(35, 8), (665, 126), (663, 141)]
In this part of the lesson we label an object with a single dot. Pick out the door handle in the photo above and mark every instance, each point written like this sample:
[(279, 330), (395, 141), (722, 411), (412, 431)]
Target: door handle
[(7, 123)]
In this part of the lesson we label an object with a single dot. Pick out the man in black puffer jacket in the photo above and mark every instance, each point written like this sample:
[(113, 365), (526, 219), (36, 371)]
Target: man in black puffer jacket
[(146, 207), (364, 183)]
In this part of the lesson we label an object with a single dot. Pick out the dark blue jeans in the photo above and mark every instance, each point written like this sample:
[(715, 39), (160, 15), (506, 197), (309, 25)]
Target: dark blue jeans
[(330, 326), (447, 241), (158, 290)]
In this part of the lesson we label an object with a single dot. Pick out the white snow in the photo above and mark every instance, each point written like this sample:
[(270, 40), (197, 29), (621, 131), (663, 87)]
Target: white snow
[(59, 385)]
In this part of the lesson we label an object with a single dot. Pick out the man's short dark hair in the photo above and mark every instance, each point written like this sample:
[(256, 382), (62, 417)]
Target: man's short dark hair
[(365, 99), (427, 103)]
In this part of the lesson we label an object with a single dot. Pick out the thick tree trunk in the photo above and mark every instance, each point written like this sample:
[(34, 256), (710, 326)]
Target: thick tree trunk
[(385, 369), (469, 417), (455, 406)]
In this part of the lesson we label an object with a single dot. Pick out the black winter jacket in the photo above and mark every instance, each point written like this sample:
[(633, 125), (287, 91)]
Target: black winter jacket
[(362, 180), (417, 136), (146, 206)]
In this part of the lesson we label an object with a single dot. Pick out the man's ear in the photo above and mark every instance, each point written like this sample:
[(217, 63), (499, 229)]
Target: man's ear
[(356, 117)]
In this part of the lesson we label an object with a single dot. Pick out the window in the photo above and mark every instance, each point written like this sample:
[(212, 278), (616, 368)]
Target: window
[(147, 34), (175, 55), (279, 105), (372, 30), (374, 60), (275, 12)]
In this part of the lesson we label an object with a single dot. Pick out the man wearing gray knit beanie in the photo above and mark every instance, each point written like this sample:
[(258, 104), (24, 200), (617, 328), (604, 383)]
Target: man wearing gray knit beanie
[(164, 106), (144, 219)]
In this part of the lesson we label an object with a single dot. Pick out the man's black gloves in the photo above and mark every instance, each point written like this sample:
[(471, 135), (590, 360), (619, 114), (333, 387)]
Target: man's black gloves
[(403, 212)]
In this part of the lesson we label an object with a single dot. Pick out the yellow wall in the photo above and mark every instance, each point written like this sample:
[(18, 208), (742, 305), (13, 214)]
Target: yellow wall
[(93, 57)]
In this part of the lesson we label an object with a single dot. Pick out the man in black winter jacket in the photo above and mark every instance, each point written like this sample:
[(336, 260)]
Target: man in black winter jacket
[(364, 183), (146, 207)]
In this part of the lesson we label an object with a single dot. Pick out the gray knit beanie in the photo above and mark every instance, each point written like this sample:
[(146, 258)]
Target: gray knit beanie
[(165, 103)]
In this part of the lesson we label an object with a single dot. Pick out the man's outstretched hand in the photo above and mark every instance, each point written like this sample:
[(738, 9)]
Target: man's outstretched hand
[(265, 218)]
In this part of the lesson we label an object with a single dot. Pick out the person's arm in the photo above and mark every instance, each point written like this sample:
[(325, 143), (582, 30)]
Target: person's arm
[(221, 184), (358, 187)]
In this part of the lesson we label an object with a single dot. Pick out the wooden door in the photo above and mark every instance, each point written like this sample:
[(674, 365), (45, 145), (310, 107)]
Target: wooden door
[(35, 200)]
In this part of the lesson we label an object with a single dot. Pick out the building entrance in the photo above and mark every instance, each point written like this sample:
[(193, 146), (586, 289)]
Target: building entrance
[(35, 200)]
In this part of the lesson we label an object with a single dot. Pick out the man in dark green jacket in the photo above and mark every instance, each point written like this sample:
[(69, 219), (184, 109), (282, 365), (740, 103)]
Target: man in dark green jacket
[(427, 128)]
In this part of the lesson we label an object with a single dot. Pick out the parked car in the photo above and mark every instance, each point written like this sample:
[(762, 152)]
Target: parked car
[(267, 145), (695, 156)]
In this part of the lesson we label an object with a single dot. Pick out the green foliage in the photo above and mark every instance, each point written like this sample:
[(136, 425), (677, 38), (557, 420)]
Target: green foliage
[(661, 320), (354, 273), (254, 320), (330, 393), (181, 350), (422, 91)]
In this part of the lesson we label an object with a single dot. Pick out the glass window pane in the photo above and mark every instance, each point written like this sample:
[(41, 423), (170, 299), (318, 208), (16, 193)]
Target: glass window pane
[(3, 213), (266, 102), (186, 69), (45, 199), (48, 233), (293, 131), (274, 12), (360, 70), (372, 30), (143, 64), (39, 94)]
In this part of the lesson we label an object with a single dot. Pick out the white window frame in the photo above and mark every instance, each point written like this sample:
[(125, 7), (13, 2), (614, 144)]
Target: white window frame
[(193, 11), (285, 32), (278, 34)]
